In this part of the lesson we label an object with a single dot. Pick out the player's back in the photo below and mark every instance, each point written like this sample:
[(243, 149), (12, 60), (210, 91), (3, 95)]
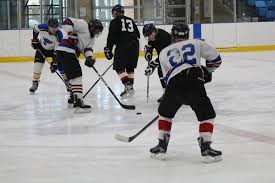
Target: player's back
[(163, 39), (123, 31), (184, 54)]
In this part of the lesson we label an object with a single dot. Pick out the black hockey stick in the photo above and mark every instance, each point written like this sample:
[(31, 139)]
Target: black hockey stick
[(55, 71), (97, 81), (130, 107), (129, 139)]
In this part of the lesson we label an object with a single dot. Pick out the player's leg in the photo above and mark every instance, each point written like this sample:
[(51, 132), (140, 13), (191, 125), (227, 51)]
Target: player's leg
[(74, 73), (39, 61), (205, 113), (167, 110), (119, 66)]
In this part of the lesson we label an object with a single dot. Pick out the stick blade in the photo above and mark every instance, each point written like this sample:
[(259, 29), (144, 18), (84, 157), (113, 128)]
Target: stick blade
[(122, 138)]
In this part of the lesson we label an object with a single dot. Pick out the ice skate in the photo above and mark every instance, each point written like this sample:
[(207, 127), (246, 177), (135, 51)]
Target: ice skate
[(80, 106), (128, 91), (34, 86), (209, 155), (71, 100), (158, 152)]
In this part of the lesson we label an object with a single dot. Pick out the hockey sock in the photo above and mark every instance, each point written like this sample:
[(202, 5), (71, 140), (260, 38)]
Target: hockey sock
[(37, 69), (164, 126), (131, 77), (76, 86), (123, 77), (206, 129)]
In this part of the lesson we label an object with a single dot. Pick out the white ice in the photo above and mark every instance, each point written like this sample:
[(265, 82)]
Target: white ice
[(41, 141)]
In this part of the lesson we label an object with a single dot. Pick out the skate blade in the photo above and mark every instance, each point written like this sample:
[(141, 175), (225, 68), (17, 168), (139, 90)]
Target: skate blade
[(210, 159), (70, 106), (128, 95), (159, 156), (82, 110), (32, 93)]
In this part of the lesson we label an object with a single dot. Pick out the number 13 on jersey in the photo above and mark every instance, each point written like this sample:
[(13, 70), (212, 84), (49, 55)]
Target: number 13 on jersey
[(127, 25)]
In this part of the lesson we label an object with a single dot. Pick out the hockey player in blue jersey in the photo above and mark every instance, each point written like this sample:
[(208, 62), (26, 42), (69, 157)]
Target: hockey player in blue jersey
[(46, 38)]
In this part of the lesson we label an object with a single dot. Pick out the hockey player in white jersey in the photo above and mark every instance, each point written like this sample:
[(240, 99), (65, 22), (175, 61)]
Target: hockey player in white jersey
[(79, 39), (185, 78), (46, 38)]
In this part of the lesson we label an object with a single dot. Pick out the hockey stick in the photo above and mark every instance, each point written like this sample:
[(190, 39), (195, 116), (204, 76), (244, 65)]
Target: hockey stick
[(130, 107), (55, 71), (97, 81), (129, 139), (147, 94)]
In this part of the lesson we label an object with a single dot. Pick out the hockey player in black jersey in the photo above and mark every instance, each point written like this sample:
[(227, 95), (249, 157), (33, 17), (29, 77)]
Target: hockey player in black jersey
[(124, 34), (185, 77), (157, 39), (46, 38)]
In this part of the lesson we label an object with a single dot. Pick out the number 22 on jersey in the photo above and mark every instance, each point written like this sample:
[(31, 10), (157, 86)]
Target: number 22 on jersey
[(127, 25), (185, 55)]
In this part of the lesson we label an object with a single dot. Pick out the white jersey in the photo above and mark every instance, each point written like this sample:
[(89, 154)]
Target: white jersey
[(85, 42), (47, 40), (184, 54)]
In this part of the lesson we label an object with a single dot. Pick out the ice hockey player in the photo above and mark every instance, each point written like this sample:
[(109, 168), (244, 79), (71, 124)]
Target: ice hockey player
[(157, 39), (46, 38), (185, 78), (124, 34), (79, 39)]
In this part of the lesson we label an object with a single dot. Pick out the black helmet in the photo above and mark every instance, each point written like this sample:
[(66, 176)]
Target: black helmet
[(118, 8), (180, 30), (53, 22), (95, 28), (148, 29)]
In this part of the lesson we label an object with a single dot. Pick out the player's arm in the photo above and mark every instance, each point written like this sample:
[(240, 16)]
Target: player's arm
[(211, 55), (111, 39), (88, 53), (35, 43), (136, 30)]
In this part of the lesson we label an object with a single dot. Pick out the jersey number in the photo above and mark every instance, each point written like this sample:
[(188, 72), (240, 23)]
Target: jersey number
[(185, 55), (127, 25)]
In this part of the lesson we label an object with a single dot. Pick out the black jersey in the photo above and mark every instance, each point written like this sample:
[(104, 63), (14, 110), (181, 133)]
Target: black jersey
[(163, 39), (122, 32)]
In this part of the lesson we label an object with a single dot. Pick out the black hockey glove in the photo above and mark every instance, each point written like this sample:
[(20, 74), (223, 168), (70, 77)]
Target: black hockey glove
[(148, 52), (53, 66), (35, 43), (90, 61), (151, 68), (108, 53), (207, 76)]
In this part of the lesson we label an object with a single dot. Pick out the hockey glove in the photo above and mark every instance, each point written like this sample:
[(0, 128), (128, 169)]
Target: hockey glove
[(35, 43), (90, 61), (207, 76), (53, 66), (148, 52), (108, 53), (151, 68)]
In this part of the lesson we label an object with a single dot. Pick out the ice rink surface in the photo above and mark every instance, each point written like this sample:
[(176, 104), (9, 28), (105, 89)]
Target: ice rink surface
[(41, 141)]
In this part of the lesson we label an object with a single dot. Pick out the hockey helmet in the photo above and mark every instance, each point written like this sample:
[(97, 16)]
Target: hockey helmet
[(95, 28), (180, 30), (148, 29), (53, 22), (117, 9)]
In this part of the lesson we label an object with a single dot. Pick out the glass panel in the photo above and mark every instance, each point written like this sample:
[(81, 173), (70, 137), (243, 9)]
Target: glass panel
[(8, 14), (151, 11), (174, 11), (223, 11), (200, 11), (247, 12)]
